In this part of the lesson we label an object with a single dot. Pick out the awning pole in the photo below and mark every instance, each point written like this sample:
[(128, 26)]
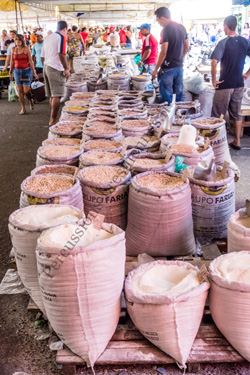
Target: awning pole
[(21, 17), (16, 15)]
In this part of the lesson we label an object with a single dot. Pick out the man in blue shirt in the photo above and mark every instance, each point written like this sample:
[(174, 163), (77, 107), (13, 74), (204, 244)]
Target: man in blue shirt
[(231, 52), (36, 52)]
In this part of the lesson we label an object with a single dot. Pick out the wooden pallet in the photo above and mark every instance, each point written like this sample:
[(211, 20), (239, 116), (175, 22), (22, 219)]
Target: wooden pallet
[(129, 347)]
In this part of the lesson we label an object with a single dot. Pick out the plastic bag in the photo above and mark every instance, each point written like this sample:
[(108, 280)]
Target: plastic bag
[(137, 58), (12, 97), (36, 84), (194, 84)]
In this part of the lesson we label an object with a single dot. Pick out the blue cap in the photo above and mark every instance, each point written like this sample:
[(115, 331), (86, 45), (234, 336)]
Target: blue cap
[(144, 26)]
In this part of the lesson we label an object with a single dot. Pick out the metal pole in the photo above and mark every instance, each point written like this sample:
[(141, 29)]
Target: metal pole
[(21, 17), (16, 15)]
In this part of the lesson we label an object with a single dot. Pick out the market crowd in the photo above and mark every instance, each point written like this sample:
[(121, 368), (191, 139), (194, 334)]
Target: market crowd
[(33, 55)]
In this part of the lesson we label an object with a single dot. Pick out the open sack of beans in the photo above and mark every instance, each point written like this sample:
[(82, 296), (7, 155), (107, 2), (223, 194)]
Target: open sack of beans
[(100, 158), (146, 161), (65, 130), (213, 202), (105, 190), (55, 168), (25, 226), (81, 275), (102, 145), (135, 127), (145, 143), (165, 300), (229, 298), (62, 141), (159, 215), (51, 189), (215, 129), (112, 133), (238, 231), (58, 154)]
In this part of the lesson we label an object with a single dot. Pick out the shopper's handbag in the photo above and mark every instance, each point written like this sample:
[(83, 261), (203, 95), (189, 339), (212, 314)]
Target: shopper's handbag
[(24, 78)]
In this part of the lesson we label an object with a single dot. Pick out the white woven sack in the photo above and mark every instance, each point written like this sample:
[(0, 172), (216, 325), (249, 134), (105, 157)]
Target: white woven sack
[(170, 323), (238, 235), (159, 222), (213, 202), (229, 302), (81, 291), (24, 240)]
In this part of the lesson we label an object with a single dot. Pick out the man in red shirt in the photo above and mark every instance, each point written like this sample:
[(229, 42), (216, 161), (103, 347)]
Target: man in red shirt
[(84, 34), (149, 50), (122, 34)]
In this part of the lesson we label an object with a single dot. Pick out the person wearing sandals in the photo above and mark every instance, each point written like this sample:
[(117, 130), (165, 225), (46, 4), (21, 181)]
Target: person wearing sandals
[(22, 65)]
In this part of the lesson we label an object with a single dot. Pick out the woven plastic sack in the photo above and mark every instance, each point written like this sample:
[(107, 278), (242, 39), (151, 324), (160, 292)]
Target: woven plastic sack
[(238, 235), (55, 133), (113, 148), (229, 302), (109, 199), (86, 163), (55, 168), (82, 289), (130, 163), (217, 135), (115, 135), (170, 323), (169, 139), (213, 202), (24, 240), (159, 222), (197, 157), (42, 159), (72, 196)]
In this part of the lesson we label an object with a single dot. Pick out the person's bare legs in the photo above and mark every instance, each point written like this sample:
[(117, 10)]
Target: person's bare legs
[(27, 93), (70, 63), (55, 106), (238, 127), (21, 99)]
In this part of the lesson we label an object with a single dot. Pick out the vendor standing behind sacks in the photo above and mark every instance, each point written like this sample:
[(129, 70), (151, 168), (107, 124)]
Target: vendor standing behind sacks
[(173, 50), (55, 68), (149, 50), (231, 52)]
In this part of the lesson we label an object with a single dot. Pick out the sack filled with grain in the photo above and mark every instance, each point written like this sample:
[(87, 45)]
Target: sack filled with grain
[(132, 128), (81, 275), (62, 141), (238, 231), (192, 156), (229, 298), (215, 130), (213, 202), (159, 215), (145, 142), (55, 168), (100, 158), (102, 145), (169, 139), (146, 161), (51, 189), (58, 154), (108, 132), (25, 226), (65, 130), (105, 190), (165, 300)]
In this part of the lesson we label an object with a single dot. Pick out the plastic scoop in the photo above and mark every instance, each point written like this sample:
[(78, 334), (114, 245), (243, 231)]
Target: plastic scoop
[(205, 171)]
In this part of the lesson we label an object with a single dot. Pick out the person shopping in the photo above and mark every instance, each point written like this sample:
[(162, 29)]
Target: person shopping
[(149, 50), (22, 65), (74, 41)]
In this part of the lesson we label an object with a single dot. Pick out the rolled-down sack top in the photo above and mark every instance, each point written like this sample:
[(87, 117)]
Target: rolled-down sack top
[(229, 298), (51, 189), (25, 226), (165, 300), (58, 154), (55, 168), (81, 274), (146, 161), (238, 231), (159, 215)]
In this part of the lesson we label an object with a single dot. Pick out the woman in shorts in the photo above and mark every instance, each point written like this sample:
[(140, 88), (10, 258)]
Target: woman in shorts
[(23, 67)]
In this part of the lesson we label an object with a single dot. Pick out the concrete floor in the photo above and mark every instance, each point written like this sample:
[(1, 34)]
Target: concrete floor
[(19, 351)]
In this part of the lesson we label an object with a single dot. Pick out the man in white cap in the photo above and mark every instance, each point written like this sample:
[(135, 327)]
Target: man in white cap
[(36, 52), (149, 50)]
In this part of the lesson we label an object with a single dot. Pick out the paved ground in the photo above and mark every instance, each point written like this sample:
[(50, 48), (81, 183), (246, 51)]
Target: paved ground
[(19, 350)]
